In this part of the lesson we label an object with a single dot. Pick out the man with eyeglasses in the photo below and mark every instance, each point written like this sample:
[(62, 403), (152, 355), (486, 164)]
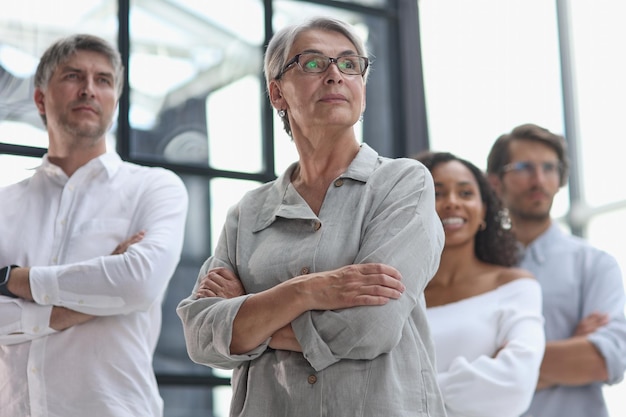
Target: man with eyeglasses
[(582, 286)]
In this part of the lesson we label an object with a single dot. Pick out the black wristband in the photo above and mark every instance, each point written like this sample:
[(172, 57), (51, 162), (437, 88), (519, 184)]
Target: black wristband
[(5, 273)]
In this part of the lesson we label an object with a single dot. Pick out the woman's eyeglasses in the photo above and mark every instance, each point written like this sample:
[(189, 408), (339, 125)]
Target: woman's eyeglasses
[(318, 63)]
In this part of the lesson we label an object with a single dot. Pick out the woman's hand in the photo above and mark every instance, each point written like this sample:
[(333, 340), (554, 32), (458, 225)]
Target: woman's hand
[(265, 314), (220, 282), (352, 286)]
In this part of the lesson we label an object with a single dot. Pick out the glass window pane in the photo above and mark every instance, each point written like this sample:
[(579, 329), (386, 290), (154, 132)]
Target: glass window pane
[(221, 399), (23, 132), (485, 71), (367, 2), (285, 151), (26, 30), (614, 396), (225, 192), (607, 232), (194, 78), (16, 168), (598, 34), (234, 114), (185, 401)]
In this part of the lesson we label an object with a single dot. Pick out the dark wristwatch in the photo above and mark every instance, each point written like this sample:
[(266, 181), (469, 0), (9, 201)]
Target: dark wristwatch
[(5, 273)]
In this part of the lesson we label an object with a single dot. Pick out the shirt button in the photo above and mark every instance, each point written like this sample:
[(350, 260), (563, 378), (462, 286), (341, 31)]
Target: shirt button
[(312, 379), (339, 182), (317, 226), (304, 271), (36, 329)]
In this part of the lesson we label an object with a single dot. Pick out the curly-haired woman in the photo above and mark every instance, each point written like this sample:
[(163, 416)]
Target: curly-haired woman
[(485, 314)]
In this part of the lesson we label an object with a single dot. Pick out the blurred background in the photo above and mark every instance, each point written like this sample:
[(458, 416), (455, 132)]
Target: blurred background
[(449, 75)]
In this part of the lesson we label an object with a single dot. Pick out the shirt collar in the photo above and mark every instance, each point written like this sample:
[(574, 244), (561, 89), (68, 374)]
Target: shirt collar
[(539, 248), (363, 165), (281, 202), (109, 161)]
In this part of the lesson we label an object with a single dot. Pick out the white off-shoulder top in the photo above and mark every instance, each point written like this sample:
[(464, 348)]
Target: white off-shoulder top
[(469, 332)]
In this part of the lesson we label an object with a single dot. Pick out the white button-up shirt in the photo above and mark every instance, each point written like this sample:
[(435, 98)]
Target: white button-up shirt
[(65, 229)]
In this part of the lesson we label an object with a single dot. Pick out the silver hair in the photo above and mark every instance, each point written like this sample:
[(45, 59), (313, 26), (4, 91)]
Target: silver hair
[(64, 48), (277, 53)]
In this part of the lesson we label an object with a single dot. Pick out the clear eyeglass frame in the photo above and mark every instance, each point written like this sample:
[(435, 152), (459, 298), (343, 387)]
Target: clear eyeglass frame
[(529, 168)]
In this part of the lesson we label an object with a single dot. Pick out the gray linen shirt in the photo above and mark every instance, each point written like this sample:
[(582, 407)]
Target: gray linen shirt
[(368, 361), (577, 280)]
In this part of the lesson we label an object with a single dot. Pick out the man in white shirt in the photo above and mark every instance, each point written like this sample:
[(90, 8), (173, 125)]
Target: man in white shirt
[(89, 244)]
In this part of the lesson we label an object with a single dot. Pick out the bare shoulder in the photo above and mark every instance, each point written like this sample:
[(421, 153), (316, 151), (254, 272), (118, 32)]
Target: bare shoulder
[(507, 275)]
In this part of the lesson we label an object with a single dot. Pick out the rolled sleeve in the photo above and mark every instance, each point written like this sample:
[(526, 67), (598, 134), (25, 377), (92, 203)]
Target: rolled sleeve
[(208, 328), (611, 343), (605, 293)]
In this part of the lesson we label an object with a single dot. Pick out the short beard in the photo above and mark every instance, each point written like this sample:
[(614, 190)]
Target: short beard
[(529, 216), (91, 133)]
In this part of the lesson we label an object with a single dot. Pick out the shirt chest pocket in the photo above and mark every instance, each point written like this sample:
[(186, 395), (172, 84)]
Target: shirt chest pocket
[(97, 237)]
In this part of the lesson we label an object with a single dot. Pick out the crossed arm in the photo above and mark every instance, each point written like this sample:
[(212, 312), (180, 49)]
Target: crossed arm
[(574, 361), (61, 318), (324, 307), (267, 314)]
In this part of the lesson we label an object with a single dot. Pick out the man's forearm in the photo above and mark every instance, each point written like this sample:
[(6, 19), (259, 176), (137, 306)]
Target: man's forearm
[(62, 318), (573, 361), (19, 283)]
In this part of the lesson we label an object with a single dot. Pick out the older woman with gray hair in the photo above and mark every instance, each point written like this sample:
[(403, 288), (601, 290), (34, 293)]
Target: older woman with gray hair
[(315, 293)]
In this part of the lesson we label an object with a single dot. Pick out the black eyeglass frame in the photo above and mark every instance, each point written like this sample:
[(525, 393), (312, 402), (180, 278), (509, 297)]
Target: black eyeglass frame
[(296, 60)]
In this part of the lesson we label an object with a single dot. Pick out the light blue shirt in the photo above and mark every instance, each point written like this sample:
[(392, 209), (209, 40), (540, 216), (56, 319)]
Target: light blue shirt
[(577, 280), (368, 361)]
